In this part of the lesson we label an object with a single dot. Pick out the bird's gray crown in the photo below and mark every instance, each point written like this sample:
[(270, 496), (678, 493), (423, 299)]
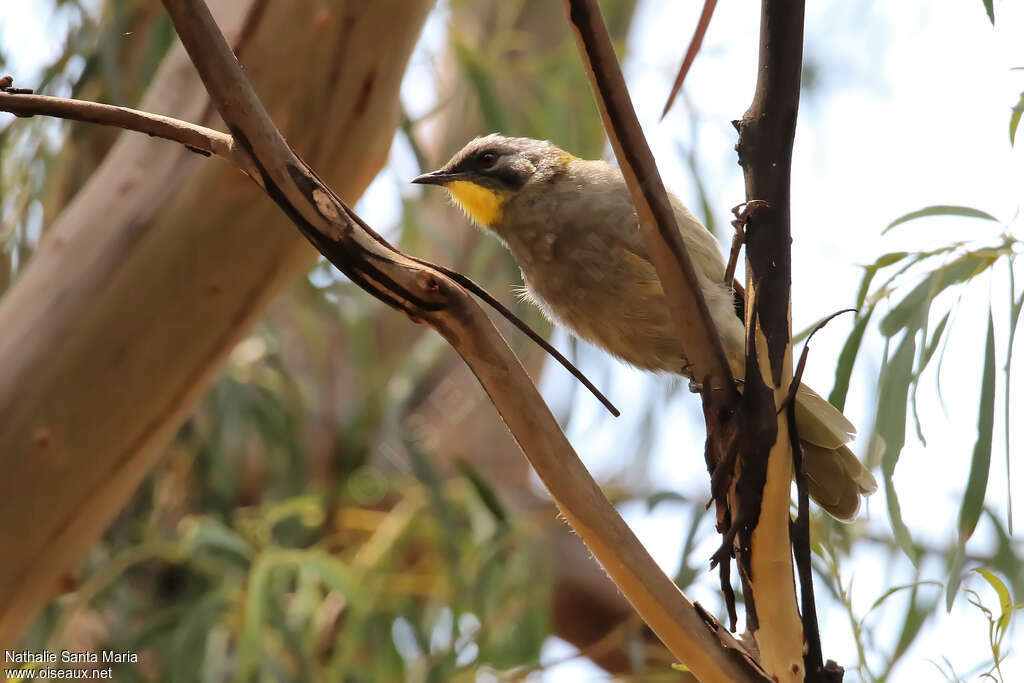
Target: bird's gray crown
[(501, 162)]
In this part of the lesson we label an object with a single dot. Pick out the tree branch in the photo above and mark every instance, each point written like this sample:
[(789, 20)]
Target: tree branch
[(200, 139), (765, 146)]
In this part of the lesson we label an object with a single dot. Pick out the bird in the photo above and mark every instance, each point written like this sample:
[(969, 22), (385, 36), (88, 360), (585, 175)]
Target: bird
[(571, 226)]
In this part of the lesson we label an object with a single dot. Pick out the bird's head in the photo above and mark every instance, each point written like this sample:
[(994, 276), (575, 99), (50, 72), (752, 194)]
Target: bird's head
[(491, 170)]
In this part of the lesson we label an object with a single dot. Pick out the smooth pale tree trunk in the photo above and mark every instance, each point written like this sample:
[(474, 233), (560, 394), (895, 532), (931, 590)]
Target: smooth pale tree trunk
[(160, 265)]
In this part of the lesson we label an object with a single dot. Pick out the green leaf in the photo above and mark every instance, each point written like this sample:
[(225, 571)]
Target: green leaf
[(206, 533), (900, 532), (929, 351), (941, 210), (977, 482), (912, 311), (882, 261), (487, 494), (187, 643), (332, 572), (1015, 309), (912, 623), (1015, 114), (847, 357), (481, 81), (896, 589), (922, 362), (891, 419), (990, 11), (890, 431), (956, 573), (256, 598), (1005, 602), (659, 497)]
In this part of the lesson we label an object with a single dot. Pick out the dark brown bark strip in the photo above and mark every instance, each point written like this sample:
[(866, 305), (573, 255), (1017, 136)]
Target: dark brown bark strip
[(765, 145), (765, 150), (816, 671)]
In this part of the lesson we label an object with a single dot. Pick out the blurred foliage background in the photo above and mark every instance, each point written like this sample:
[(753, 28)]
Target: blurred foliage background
[(344, 505)]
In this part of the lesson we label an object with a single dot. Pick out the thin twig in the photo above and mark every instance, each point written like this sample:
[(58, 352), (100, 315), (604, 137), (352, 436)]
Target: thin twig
[(801, 529), (197, 138), (691, 52)]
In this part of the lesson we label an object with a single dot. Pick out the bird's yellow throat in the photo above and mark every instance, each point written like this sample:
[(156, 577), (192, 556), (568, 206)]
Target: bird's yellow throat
[(480, 203)]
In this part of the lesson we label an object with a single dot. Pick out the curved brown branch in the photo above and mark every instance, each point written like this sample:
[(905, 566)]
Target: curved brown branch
[(197, 138)]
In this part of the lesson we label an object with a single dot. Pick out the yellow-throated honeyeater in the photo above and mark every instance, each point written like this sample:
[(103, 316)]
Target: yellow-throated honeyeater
[(571, 226)]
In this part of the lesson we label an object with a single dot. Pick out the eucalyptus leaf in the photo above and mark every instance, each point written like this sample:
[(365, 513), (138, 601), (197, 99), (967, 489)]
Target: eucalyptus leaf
[(933, 343), (487, 494), (890, 431), (256, 599), (912, 311), (206, 533), (847, 358), (913, 620), (891, 419), (956, 573), (940, 210), (981, 460), (990, 11), (870, 271), (896, 589), (1005, 603), (900, 532), (1015, 309), (1015, 114)]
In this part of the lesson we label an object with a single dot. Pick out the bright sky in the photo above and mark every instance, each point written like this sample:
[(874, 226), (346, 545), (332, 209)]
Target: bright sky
[(912, 111)]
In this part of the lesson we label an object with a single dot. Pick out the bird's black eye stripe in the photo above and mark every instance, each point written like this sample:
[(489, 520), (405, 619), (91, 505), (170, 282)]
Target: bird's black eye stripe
[(487, 159)]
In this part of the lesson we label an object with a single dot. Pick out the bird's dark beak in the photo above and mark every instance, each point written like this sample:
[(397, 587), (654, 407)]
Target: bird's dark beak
[(438, 177)]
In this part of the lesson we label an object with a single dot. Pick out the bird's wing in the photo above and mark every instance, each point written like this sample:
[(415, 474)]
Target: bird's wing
[(819, 421)]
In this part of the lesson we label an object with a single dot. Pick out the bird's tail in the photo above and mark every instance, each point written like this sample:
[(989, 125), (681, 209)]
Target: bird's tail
[(836, 479)]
